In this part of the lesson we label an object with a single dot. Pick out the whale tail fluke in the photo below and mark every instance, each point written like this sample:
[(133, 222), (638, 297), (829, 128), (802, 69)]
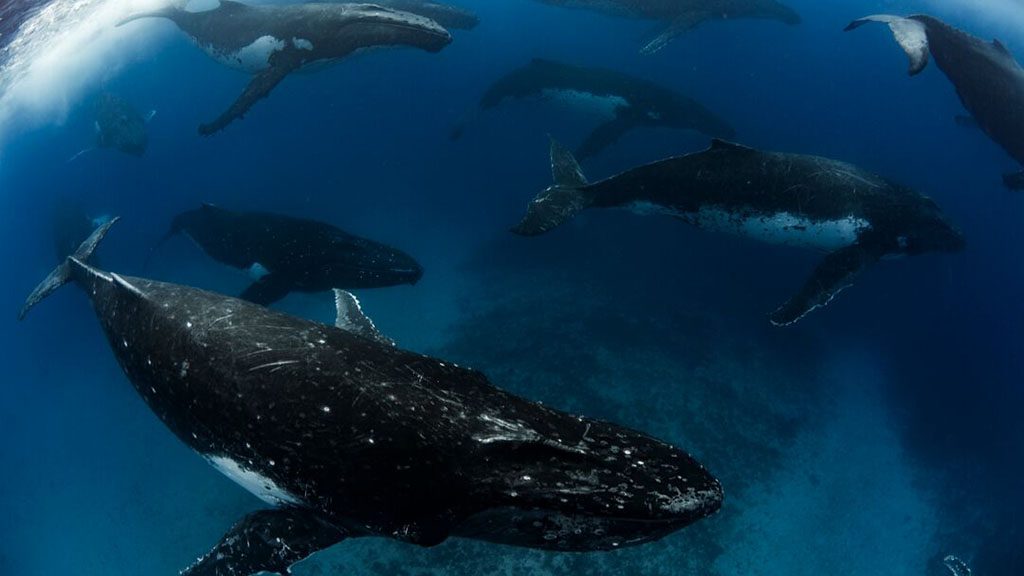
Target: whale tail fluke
[(558, 202), (910, 34), (61, 275)]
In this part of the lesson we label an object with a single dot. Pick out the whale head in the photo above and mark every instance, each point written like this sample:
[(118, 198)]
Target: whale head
[(364, 263), (378, 26), (591, 485), (927, 230)]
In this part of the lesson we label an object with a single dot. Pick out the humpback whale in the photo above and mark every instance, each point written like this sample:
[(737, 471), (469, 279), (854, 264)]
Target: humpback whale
[(344, 435), (286, 254), (628, 102), (680, 16), (274, 41), (792, 199), (986, 76)]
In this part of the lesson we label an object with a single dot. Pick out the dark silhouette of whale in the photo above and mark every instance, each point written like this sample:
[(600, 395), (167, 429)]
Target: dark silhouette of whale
[(273, 41), (120, 126), (774, 197), (629, 102), (346, 435), (287, 254), (680, 16), (987, 78)]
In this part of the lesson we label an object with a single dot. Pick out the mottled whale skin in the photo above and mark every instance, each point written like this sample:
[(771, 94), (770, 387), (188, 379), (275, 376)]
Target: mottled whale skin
[(986, 76), (680, 16), (627, 101), (273, 41), (793, 199), (293, 254), (345, 435)]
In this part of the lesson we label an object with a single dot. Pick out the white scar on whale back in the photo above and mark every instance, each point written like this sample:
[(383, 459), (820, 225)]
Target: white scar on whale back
[(260, 486)]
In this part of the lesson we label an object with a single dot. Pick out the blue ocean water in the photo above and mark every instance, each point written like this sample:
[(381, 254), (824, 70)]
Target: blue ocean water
[(874, 437)]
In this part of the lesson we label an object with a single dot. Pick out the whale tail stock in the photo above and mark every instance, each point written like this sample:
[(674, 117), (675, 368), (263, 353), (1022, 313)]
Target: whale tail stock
[(61, 275), (560, 201), (910, 34)]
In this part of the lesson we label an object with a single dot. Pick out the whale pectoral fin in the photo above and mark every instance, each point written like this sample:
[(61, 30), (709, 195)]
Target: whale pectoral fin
[(267, 290), (835, 273), (605, 135), (267, 541), (678, 26), (352, 319), (910, 34), (259, 87)]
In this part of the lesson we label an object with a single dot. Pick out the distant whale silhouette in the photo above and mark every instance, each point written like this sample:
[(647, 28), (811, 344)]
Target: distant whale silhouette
[(345, 435), (118, 125), (987, 78), (274, 41), (288, 254), (628, 102), (681, 16), (774, 197)]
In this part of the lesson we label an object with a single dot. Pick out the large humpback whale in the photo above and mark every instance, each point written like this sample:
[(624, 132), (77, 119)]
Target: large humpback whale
[(793, 199), (288, 254), (627, 102), (273, 41), (987, 78), (680, 16), (346, 436)]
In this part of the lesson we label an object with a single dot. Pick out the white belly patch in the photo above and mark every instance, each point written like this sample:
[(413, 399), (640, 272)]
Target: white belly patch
[(254, 57), (780, 228), (260, 486), (604, 106)]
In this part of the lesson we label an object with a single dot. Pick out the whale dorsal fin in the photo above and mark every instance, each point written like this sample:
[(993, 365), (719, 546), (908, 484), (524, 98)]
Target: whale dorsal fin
[(719, 144), (352, 319), (1001, 48)]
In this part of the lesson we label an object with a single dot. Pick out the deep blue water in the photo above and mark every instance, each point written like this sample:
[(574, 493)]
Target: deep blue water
[(875, 437)]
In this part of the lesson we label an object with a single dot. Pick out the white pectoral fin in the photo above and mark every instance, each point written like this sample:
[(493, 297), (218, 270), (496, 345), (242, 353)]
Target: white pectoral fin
[(910, 34)]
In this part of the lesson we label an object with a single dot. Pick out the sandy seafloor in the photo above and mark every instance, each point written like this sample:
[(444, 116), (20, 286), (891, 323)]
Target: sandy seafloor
[(874, 438)]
